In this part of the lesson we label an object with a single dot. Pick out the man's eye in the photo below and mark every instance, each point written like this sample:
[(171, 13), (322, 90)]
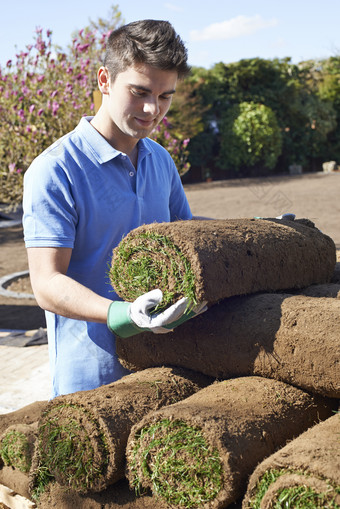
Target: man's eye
[(138, 93)]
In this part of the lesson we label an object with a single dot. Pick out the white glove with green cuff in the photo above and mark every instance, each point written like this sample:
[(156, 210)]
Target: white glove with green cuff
[(129, 318)]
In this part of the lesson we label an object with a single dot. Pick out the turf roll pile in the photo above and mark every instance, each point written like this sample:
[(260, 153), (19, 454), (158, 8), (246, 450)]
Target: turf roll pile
[(295, 339), (82, 436), (304, 474), (199, 452), (213, 260)]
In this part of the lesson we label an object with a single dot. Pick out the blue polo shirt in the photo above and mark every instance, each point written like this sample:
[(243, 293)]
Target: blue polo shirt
[(83, 194)]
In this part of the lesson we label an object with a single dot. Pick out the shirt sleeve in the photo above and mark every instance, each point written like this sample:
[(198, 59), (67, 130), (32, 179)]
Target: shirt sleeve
[(179, 205), (49, 212)]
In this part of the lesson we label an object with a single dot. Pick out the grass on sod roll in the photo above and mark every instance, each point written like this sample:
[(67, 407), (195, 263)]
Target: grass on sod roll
[(182, 467), (137, 270), (14, 450), (297, 497), (65, 448)]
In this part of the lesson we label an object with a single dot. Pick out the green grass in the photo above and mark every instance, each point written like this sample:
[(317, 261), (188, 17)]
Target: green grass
[(176, 460), (152, 261), (297, 497), (14, 450), (66, 452)]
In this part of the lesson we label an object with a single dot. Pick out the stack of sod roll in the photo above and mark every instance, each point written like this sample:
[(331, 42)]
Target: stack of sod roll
[(275, 335), (211, 401), (82, 436), (199, 452)]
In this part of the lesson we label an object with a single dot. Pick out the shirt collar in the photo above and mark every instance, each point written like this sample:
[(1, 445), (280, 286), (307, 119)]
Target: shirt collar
[(101, 149)]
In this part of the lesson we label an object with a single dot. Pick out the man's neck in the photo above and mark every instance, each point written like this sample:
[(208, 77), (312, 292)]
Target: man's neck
[(127, 145)]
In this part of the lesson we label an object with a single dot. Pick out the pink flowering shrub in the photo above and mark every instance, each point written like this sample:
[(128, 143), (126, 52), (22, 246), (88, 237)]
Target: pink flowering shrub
[(175, 143), (43, 95)]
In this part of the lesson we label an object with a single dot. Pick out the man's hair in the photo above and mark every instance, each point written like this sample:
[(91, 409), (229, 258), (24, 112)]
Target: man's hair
[(149, 42)]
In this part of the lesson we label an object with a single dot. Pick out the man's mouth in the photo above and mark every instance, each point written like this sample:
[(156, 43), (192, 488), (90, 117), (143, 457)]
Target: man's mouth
[(145, 123)]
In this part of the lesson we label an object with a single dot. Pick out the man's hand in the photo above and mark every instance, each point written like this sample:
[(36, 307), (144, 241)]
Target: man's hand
[(127, 319)]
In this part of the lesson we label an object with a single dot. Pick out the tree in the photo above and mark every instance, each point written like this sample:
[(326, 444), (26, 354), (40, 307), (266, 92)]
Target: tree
[(204, 146), (250, 136), (324, 76)]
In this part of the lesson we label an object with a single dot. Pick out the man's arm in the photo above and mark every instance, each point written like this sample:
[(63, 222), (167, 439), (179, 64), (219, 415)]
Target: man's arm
[(56, 292)]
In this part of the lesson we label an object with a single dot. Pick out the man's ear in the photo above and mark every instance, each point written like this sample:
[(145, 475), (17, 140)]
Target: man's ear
[(103, 78)]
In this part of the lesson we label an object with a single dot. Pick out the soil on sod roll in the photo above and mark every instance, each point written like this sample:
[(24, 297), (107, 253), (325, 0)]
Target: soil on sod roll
[(116, 496), (295, 339), (213, 260), (25, 415), (16, 452), (82, 436), (200, 452), (306, 472)]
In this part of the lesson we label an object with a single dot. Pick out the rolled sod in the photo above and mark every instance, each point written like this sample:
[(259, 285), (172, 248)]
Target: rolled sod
[(304, 474), (199, 452), (213, 260), (17, 445), (82, 436), (295, 339), (18, 433), (16, 452)]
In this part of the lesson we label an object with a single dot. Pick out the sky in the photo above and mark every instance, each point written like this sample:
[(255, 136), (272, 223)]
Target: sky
[(213, 31)]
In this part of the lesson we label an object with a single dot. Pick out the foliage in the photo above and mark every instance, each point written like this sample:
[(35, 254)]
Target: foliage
[(175, 143), (204, 146), (250, 135), (43, 95), (306, 114), (45, 91), (324, 80)]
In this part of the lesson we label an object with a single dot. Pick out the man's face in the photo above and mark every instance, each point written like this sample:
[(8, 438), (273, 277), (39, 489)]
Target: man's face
[(139, 98)]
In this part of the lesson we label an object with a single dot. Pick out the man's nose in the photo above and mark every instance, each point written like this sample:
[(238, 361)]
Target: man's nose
[(151, 105)]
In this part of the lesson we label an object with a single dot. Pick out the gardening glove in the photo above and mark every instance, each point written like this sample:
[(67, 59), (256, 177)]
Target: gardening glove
[(127, 319), (287, 216)]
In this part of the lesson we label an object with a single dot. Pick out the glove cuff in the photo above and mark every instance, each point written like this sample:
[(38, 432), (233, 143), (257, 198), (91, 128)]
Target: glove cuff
[(119, 321)]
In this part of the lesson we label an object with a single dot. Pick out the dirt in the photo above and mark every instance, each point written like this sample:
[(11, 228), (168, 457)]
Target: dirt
[(315, 196)]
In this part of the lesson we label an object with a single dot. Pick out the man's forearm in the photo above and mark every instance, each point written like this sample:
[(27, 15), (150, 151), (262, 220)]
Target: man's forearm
[(65, 296)]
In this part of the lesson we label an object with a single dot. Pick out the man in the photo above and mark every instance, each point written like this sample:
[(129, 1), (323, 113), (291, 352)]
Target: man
[(88, 190)]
